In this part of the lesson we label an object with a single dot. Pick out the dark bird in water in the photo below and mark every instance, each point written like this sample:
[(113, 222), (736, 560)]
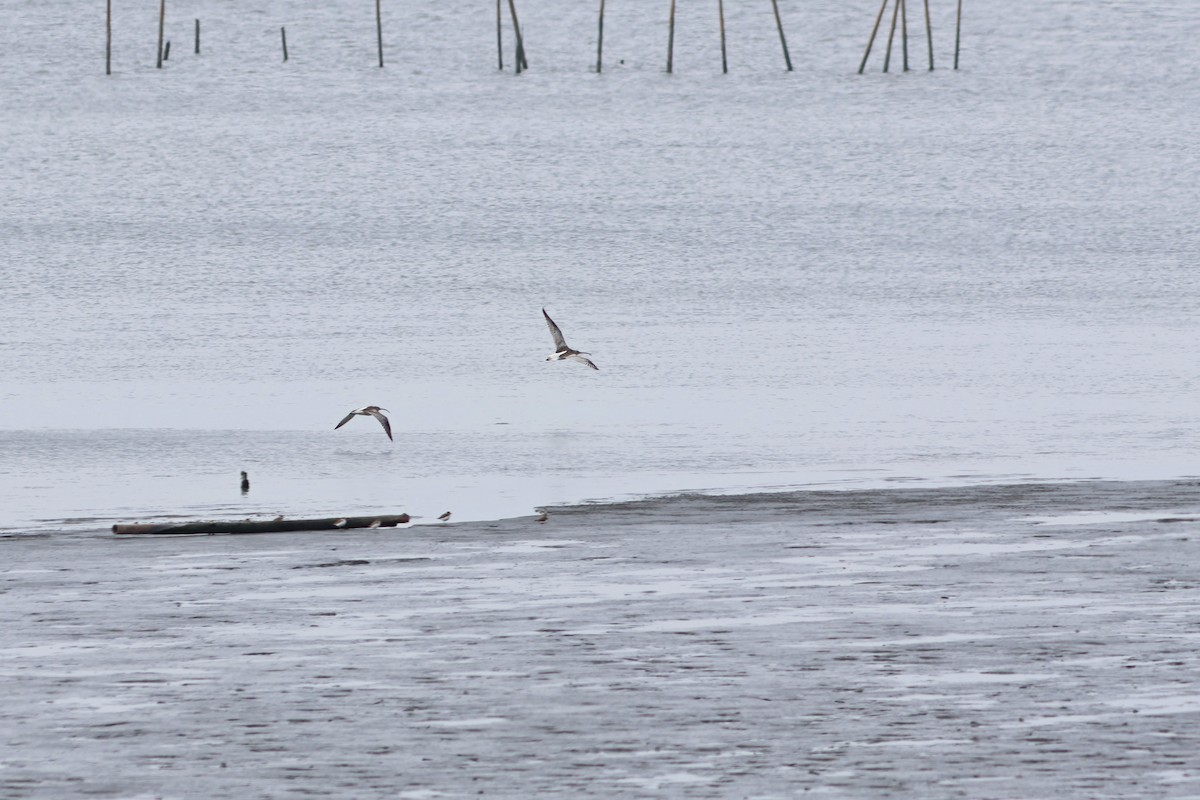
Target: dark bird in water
[(445, 517), (245, 482), (369, 411), (563, 352)]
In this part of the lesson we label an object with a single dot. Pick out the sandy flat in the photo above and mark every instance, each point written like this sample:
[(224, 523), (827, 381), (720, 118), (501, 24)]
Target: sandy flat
[(904, 643)]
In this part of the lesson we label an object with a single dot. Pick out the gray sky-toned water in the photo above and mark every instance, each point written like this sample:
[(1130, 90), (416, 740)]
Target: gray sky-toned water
[(785, 278)]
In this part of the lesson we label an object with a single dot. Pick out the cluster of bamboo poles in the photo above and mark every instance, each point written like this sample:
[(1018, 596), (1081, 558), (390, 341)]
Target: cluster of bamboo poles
[(164, 48), (521, 63), (900, 13)]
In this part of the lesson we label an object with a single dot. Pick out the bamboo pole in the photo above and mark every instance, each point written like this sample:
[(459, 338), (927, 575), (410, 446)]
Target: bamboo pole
[(162, 14), (167, 50), (957, 32), (283, 39), (108, 37), (379, 30), (787, 59), (197, 37), (904, 31), (721, 14), (929, 34), (500, 37), (600, 40), (521, 63), (878, 18), (892, 35), (671, 40)]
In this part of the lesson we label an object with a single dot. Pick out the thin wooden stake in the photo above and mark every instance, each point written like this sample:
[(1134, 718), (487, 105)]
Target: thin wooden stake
[(929, 34), (167, 50), (379, 31), (512, 12), (500, 38), (283, 38), (600, 40), (904, 31), (721, 13), (162, 14), (197, 37), (957, 32), (671, 40), (892, 35), (787, 59), (871, 41), (108, 37)]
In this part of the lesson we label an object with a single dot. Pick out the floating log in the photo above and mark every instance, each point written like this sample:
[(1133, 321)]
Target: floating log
[(262, 526)]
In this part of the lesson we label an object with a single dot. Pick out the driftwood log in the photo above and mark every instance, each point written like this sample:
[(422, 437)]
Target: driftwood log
[(263, 526)]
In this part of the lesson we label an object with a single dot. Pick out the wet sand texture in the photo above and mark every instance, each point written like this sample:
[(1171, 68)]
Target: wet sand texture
[(987, 642)]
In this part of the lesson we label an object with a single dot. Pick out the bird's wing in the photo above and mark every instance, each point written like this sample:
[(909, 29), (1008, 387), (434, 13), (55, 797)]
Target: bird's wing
[(584, 359), (559, 342), (348, 417), (387, 426)]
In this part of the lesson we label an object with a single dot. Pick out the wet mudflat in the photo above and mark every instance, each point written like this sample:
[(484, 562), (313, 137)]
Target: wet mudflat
[(984, 642)]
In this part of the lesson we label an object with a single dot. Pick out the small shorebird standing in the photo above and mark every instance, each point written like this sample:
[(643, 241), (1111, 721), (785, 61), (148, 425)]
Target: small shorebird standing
[(369, 411), (563, 352), (542, 515), (245, 482)]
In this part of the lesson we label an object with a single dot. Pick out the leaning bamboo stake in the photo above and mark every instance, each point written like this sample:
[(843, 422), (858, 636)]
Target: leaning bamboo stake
[(108, 37), (957, 32), (904, 31), (521, 63), (787, 59), (283, 39), (721, 13), (892, 35), (671, 40), (600, 40), (162, 14), (929, 34), (379, 30), (500, 37), (878, 18)]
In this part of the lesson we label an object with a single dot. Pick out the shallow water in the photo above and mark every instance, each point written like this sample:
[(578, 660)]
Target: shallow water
[(786, 279)]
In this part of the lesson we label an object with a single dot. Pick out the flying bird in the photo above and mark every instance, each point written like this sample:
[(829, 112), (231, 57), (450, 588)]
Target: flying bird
[(369, 411), (563, 352), (444, 517)]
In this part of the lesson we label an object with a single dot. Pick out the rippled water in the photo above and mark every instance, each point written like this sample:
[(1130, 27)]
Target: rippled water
[(786, 279)]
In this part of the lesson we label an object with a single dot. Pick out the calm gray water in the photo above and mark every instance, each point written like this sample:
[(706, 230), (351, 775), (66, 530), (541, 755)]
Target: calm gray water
[(815, 278)]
